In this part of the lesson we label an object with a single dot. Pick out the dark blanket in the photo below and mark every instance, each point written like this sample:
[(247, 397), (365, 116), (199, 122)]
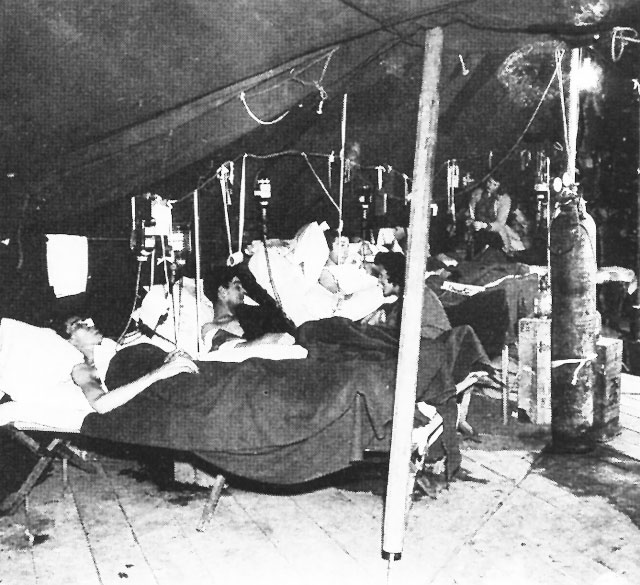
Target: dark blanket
[(281, 421)]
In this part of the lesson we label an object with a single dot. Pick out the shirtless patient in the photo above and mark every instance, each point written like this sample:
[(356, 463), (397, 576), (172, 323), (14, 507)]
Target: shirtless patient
[(87, 338), (233, 321)]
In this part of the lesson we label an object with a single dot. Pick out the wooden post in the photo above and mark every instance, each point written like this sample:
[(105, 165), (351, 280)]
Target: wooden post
[(632, 345), (575, 323), (417, 248), (196, 247), (635, 323)]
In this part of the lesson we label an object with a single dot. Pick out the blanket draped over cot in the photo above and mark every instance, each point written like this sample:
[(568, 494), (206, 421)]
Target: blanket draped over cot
[(287, 421)]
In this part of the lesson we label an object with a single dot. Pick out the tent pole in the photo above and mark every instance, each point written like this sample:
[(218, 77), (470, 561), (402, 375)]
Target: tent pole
[(398, 489), (196, 246), (343, 142), (635, 319)]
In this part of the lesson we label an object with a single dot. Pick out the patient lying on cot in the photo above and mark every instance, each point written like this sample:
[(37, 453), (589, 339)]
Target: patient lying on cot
[(309, 283), (89, 374), (172, 318), (68, 383), (234, 323)]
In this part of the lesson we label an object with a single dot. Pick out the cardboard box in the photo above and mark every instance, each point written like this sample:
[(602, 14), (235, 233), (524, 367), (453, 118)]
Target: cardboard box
[(534, 370)]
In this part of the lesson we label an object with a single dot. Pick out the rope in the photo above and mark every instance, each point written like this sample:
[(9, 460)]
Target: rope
[(580, 361), (226, 201), (563, 106), (318, 84), (254, 117), (622, 35), (326, 192), (243, 198), (269, 272)]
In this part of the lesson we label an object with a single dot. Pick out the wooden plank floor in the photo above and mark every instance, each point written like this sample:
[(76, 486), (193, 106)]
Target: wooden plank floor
[(511, 524)]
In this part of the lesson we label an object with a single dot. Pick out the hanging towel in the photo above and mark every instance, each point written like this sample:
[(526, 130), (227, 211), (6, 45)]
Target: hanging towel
[(67, 264)]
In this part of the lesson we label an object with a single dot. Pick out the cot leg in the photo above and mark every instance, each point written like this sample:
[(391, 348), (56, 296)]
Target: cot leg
[(75, 456), (505, 384), (12, 501), (212, 502)]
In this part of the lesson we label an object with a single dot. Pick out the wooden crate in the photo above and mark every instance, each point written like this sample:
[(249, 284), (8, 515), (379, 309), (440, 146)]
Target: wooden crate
[(606, 389), (534, 370)]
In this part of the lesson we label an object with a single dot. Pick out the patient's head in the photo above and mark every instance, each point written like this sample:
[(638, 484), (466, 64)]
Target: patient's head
[(223, 286), (81, 332), (391, 272), (338, 246)]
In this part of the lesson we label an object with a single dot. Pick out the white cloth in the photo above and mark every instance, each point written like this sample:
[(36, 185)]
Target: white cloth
[(305, 299), (33, 359), (67, 264)]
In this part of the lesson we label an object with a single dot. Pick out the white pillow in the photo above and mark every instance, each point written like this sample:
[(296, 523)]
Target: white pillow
[(310, 251), (33, 360)]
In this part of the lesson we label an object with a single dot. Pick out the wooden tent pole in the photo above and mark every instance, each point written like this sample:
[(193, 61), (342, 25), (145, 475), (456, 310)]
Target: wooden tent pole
[(343, 141), (196, 247), (635, 319), (417, 250)]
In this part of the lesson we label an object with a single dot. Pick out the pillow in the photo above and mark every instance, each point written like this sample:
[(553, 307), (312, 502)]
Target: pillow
[(310, 251), (33, 360)]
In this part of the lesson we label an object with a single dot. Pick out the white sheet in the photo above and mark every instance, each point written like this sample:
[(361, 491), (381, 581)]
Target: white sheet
[(32, 360), (307, 300)]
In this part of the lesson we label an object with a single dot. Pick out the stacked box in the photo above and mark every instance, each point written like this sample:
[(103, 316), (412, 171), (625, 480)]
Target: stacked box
[(606, 389), (534, 370)]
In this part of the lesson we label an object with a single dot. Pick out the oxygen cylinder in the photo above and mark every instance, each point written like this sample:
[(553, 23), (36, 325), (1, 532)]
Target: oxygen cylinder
[(575, 326)]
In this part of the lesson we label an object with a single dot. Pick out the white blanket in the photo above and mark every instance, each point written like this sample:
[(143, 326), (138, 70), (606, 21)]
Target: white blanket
[(286, 278)]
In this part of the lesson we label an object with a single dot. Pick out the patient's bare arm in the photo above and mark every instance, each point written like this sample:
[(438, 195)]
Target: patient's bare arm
[(85, 376)]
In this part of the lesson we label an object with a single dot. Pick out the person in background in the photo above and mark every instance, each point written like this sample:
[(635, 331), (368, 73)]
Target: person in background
[(486, 312), (391, 267), (338, 254), (488, 213)]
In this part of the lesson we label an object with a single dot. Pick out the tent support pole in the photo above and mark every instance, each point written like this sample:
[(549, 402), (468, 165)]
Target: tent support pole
[(398, 489), (196, 246), (635, 320)]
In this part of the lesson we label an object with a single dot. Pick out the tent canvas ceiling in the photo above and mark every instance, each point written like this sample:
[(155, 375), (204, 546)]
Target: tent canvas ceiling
[(100, 99)]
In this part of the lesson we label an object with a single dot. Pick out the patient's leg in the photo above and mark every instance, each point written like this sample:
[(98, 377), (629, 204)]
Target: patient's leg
[(449, 412), (463, 409)]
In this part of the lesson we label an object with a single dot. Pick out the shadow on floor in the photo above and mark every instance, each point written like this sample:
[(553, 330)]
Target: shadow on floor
[(603, 472)]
